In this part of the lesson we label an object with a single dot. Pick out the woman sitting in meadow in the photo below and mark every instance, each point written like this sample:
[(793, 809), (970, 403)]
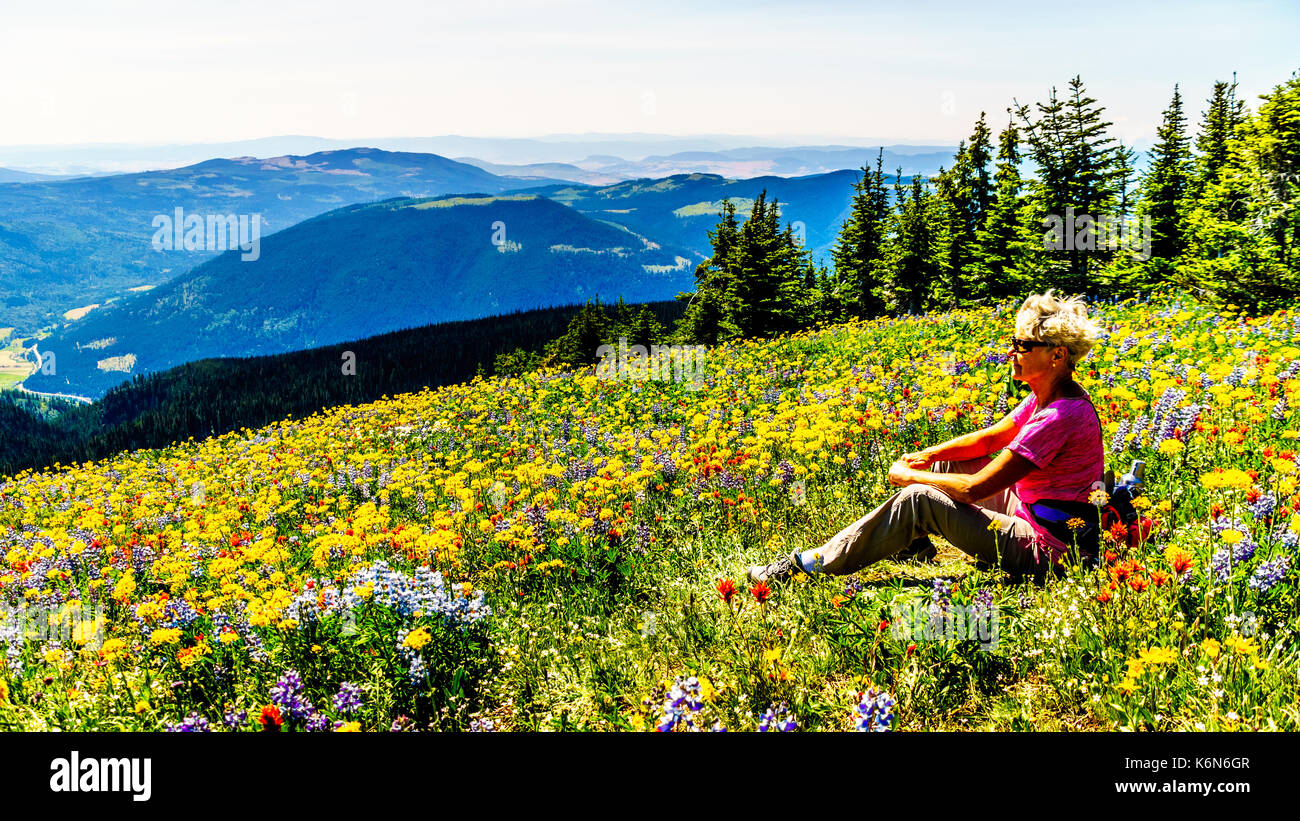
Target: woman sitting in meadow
[(1017, 509)]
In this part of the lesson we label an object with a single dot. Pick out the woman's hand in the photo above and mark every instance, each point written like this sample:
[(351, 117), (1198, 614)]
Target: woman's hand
[(919, 460), (900, 473)]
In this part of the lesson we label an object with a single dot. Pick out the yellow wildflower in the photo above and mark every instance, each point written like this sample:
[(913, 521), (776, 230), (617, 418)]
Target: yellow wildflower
[(165, 635), (1241, 645), (1210, 647), (417, 638), (1158, 655)]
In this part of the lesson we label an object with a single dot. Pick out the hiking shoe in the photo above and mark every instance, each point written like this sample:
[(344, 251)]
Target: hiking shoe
[(920, 551), (783, 568)]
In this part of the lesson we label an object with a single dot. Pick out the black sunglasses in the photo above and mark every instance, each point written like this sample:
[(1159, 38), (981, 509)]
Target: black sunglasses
[(1027, 345)]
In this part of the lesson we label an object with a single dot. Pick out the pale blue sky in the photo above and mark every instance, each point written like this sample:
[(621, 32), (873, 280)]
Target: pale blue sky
[(177, 71)]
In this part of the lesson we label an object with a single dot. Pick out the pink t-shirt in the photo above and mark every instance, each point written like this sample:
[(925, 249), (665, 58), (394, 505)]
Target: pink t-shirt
[(1063, 441)]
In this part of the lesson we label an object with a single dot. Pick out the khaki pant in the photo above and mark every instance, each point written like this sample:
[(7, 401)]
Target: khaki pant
[(917, 510)]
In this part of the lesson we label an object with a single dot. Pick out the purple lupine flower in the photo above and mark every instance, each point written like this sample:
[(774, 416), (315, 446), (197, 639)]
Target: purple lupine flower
[(348, 698), (234, 719), (680, 704), (1269, 573), (286, 693), (1263, 507), (193, 723), (779, 717), (318, 723), (875, 712)]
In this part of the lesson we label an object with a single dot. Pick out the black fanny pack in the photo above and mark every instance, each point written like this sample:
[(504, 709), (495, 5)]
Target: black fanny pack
[(1054, 517)]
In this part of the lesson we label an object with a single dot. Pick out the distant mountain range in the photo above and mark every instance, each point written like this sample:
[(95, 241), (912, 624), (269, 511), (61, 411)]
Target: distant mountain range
[(10, 175), (580, 150), (68, 244), (364, 270), (736, 163)]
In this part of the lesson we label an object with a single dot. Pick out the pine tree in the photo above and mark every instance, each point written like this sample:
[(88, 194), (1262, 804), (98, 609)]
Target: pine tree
[(1079, 171), (756, 302), (1224, 113), (1003, 245), (949, 242), (1244, 230), (701, 323), (981, 155), (587, 331), (911, 252), (859, 253), (1164, 192)]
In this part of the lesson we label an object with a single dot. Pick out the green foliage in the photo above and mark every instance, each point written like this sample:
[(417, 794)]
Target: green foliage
[(1165, 189), (860, 252), (1244, 228), (759, 280)]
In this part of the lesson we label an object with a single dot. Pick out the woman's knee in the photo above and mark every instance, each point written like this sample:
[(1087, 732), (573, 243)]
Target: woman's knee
[(922, 494)]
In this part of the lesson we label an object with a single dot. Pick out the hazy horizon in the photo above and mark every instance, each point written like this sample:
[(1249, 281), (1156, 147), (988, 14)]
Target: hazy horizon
[(168, 73)]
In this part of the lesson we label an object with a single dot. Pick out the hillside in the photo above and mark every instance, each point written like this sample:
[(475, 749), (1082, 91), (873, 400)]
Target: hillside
[(68, 244), (215, 396), (361, 271), (559, 551), (681, 209)]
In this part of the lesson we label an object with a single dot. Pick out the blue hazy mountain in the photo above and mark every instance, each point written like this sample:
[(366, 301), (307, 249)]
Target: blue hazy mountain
[(364, 270), (71, 243)]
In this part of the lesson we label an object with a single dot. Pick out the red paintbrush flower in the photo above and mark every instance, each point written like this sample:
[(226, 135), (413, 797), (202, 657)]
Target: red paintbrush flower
[(726, 589), (760, 592), (270, 719)]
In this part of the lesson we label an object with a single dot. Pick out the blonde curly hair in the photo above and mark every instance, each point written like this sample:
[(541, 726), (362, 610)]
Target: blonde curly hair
[(1060, 321)]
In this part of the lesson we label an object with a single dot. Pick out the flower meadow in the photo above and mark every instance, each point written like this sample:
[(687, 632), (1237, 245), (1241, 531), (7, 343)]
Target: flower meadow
[(562, 552)]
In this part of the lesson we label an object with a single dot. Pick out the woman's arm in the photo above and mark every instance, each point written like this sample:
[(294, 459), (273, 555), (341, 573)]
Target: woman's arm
[(968, 446), (998, 475)]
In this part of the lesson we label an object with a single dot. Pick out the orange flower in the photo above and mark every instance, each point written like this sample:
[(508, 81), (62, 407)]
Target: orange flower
[(1103, 596), (1138, 583), (760, 592), (1118, 531), (270, 719), (1181, 561), (1159, 577), (726, 589)]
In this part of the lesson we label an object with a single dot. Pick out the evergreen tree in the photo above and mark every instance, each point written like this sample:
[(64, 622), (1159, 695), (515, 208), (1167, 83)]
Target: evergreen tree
[(1164, 192), (645, 329), (757, 301), (586, 333), (1244, 230), (980, 155), (1003, 245), (1079, 172), (703, 318), (1224, 113), (859, 252), (949, 241), (911, 247)]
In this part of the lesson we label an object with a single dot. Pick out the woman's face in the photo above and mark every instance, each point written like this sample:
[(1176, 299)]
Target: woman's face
[(1038, 362)]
